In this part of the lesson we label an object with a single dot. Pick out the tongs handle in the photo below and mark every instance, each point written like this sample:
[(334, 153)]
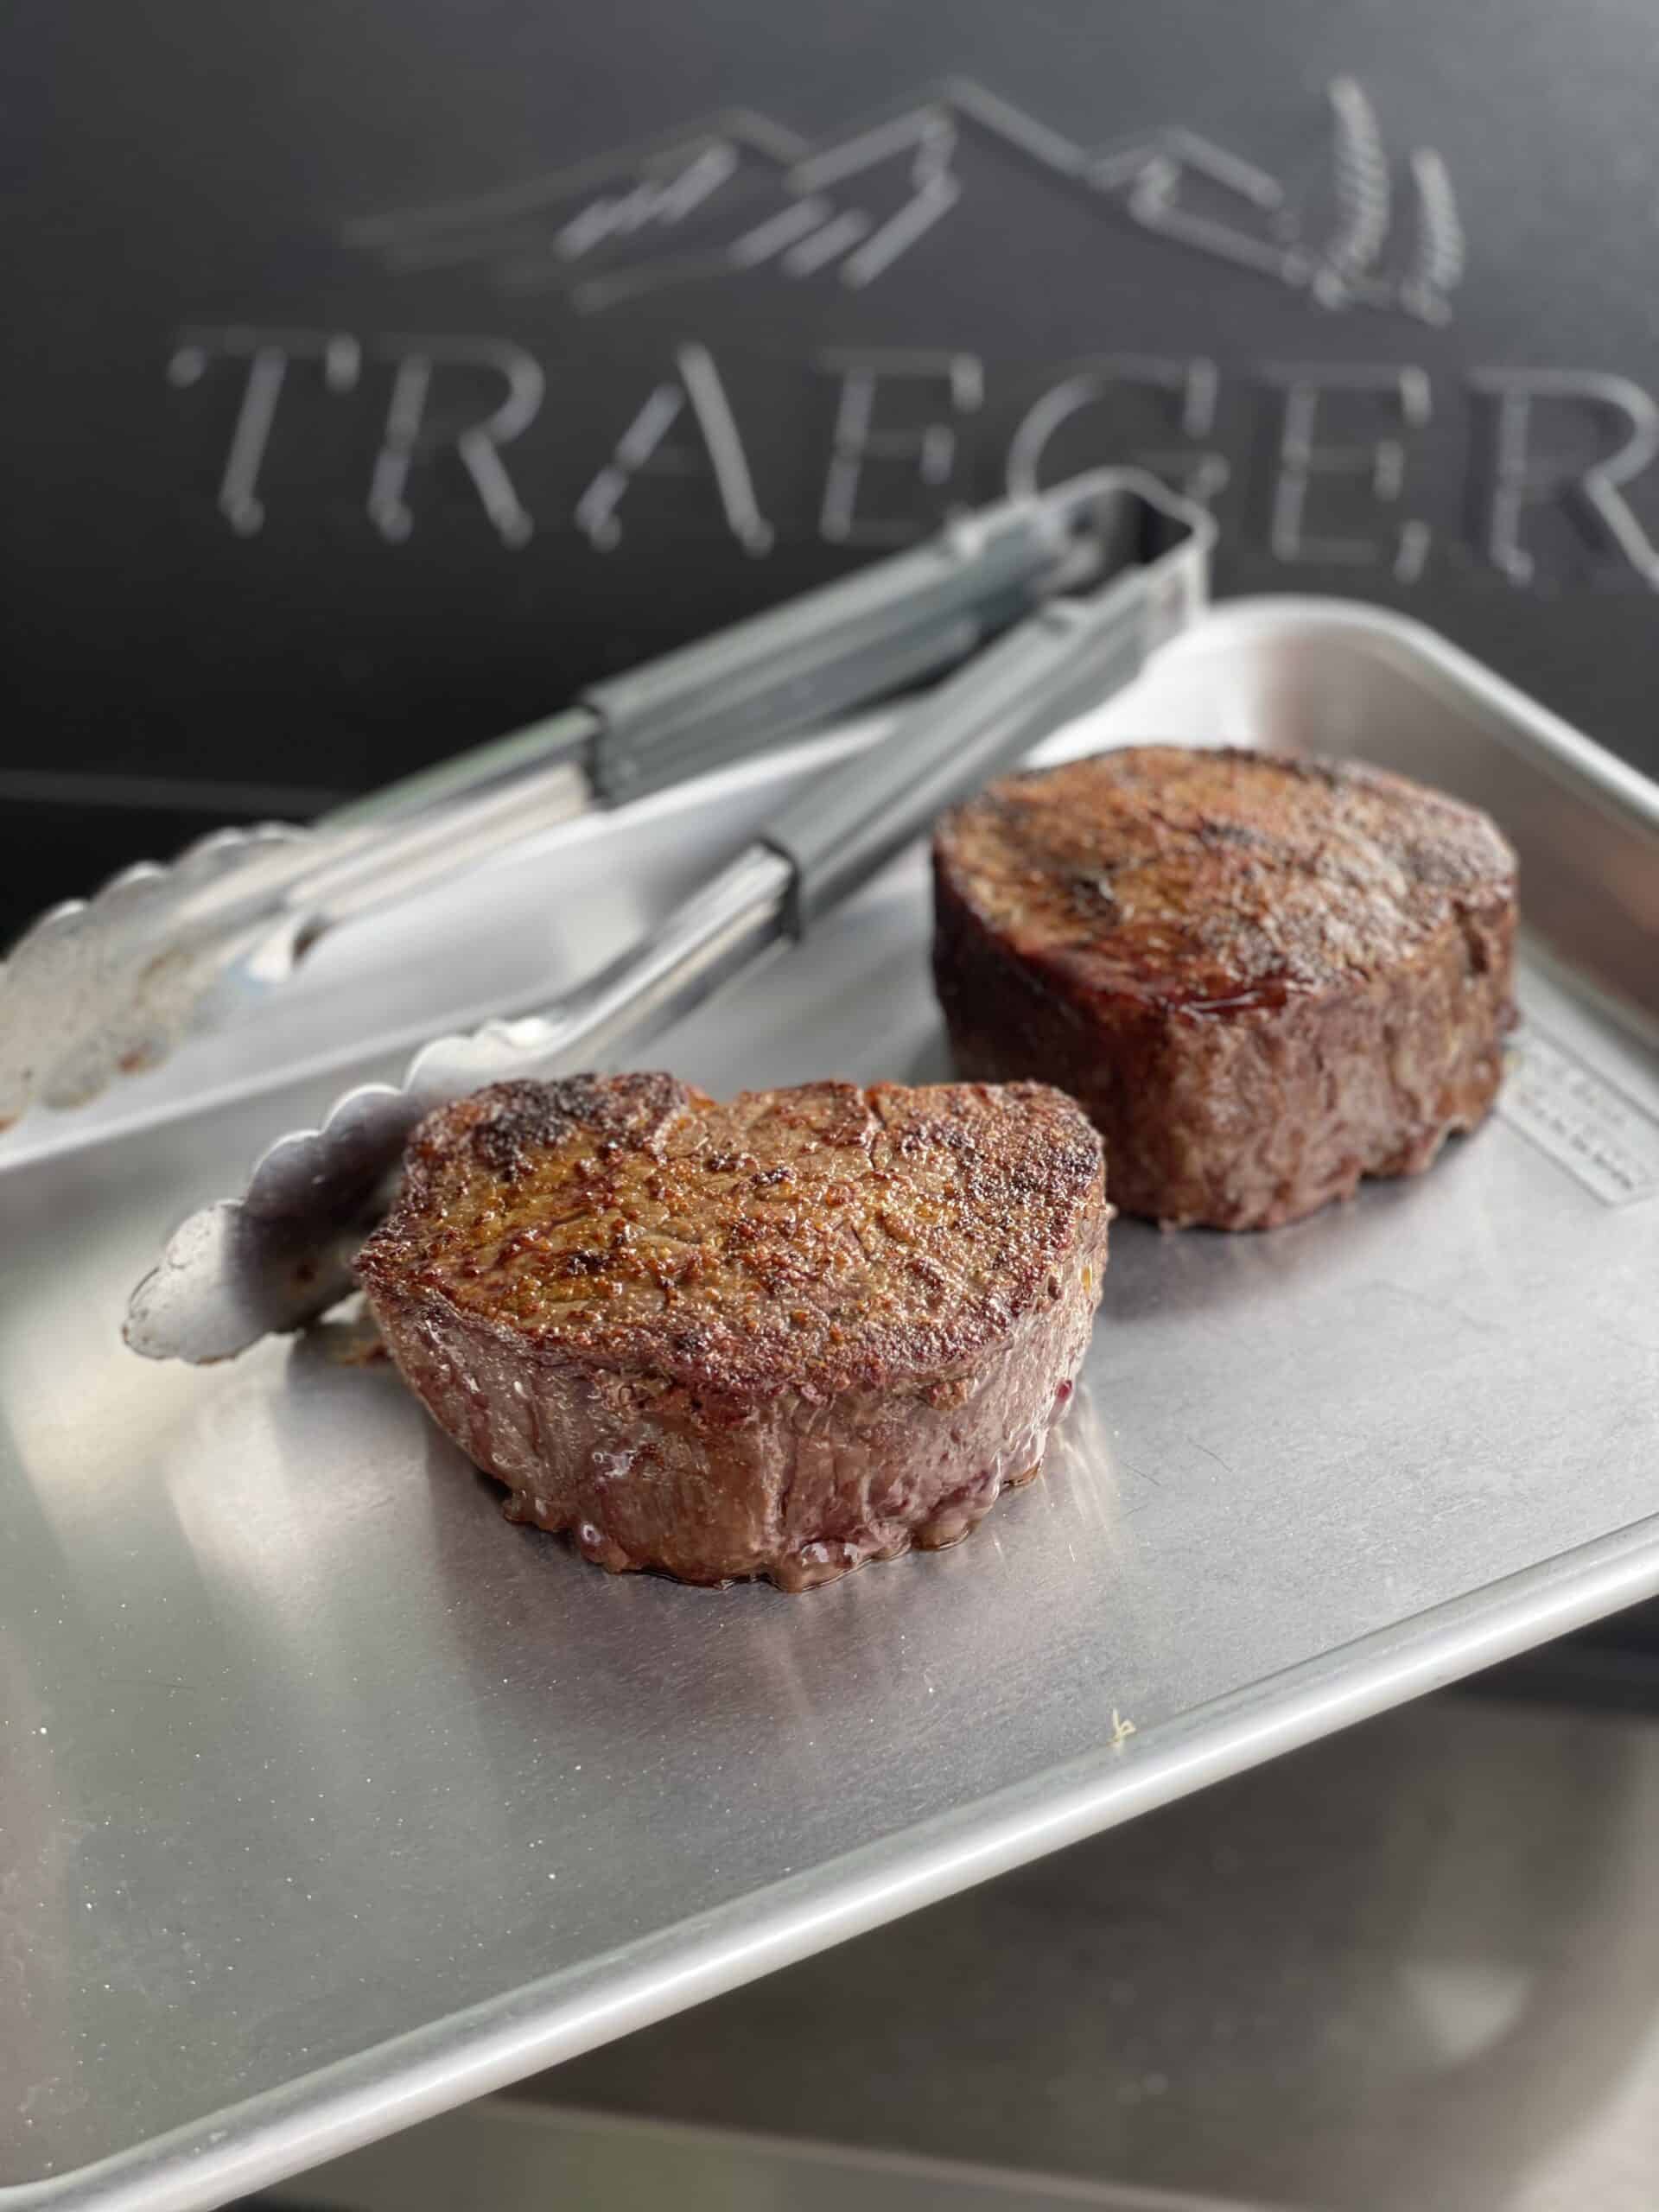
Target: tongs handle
[(1067, 656), (832, 649), (707, 704)]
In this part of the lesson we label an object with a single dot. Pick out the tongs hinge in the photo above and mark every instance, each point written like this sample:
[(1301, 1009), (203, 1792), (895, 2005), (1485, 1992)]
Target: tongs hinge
[(1146, 568)]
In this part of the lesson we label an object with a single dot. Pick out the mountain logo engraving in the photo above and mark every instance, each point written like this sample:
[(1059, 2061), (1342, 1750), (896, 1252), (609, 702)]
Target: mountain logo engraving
[(741, 192)]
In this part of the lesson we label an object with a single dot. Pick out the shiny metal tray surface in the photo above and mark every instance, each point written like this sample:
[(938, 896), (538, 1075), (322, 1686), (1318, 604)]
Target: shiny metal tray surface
[(1414, 1967), (330, 1801)]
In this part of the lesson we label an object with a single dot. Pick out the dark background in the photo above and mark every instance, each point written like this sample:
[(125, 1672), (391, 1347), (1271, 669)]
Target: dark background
[(199, 167)]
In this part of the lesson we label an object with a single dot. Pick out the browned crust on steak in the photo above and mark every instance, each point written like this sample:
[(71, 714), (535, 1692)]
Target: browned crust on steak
[(1264, 977), (773, 1336)]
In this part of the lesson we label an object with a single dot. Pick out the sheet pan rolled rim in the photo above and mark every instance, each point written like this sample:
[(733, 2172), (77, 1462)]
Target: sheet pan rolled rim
[(394, 2084), (1512, 715)]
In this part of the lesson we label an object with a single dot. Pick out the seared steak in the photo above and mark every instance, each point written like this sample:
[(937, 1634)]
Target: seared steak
[(1263, 977), (775, 1338)]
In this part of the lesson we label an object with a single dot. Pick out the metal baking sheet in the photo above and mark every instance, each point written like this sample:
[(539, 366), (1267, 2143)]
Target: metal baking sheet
[(330, 1801)]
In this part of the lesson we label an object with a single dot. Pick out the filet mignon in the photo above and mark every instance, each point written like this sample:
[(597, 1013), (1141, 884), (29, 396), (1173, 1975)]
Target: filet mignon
[(1263, 977), (778, 1337)]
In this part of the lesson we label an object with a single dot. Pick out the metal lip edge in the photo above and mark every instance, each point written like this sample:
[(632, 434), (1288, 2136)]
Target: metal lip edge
[(489, 2046), (1512, 716)]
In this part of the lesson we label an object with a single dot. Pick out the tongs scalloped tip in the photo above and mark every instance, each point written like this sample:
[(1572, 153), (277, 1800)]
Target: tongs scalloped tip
[(200, 1303), (339, 1167), (107, 985)]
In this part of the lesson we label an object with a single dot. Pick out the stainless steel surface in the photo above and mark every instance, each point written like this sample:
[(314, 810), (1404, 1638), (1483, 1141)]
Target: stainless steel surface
[(100, 988), (1414, 1968), (280, 1254), (332, 1801)]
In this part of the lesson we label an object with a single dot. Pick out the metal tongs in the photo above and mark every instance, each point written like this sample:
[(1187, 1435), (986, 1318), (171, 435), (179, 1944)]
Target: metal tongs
[(280, 1254), (106, 986)]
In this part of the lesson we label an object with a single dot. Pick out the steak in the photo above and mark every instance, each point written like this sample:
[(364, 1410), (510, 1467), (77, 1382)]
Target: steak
[(779, 1336), (1263, 977)]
